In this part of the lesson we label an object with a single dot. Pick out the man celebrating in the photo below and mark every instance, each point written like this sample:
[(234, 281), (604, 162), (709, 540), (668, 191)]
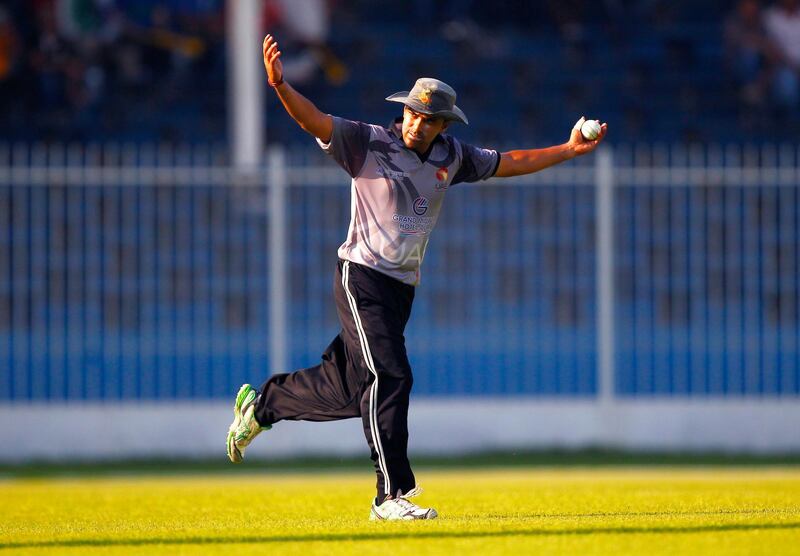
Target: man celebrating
[(399, 180)]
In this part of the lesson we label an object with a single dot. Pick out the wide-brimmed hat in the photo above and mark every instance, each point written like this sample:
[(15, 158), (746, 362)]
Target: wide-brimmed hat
[(431, 96)]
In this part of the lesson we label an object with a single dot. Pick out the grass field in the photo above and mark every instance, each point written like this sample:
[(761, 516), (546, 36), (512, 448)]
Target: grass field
[(609, 510)]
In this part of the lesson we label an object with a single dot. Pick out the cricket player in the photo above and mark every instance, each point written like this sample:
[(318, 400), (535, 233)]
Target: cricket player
[(400, 178)]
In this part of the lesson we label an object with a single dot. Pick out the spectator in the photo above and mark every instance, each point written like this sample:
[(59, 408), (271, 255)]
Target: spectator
[(307, 23), (50, 59), (570, 18), (749, 54), (782, 22), (9, 47), (12, 86), (442, 11), (168, 50)]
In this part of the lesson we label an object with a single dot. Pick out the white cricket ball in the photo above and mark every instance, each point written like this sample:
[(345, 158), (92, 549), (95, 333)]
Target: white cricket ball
[(590, 130)]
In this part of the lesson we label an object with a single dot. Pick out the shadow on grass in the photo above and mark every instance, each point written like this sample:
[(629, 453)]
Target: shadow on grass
[(394, 535), (670, 514), (504, 459)]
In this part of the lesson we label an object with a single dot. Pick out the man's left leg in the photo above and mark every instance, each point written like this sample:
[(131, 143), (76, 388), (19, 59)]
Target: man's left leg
[(384, 412), (379, 307)]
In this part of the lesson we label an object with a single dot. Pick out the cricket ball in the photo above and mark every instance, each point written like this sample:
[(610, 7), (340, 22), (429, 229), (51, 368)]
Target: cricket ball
[(590, 130)]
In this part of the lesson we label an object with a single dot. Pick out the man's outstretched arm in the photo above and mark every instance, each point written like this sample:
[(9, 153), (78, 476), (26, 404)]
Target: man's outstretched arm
[(518, 163), (303, 111)]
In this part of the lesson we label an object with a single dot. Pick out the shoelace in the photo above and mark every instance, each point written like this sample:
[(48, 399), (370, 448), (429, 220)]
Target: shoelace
[(416, 491), (406, 505)]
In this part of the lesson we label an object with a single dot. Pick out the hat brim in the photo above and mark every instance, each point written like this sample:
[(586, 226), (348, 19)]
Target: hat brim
[(456, 114)]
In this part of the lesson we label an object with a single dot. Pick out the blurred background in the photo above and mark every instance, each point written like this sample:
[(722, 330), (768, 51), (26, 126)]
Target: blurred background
[(119, 70), (167, 232)]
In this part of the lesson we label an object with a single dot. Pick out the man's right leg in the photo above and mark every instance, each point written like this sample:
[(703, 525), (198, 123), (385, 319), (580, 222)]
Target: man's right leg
[(328, 391), (325, 392)]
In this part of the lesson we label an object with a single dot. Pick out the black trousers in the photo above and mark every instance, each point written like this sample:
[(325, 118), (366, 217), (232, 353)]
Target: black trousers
[(364, 373)]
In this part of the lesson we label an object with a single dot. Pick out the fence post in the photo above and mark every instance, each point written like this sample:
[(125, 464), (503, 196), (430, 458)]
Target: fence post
[(278, 261), (604, 217), (245, 79)]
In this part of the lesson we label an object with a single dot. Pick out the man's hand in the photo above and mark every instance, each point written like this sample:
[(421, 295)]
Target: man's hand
[(272, 61), (299, 107), (578, 145)]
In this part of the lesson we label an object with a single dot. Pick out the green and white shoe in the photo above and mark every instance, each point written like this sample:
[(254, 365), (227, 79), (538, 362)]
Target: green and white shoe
[(244, 427)]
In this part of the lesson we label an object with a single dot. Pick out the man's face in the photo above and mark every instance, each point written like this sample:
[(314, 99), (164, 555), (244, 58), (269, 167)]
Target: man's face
[(419, 130)]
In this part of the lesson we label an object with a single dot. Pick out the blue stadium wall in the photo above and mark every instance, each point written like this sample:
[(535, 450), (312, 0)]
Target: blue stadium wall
[(160, 292)]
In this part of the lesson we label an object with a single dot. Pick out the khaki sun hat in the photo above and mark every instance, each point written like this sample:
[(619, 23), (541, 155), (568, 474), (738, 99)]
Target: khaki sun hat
[(431, 96)]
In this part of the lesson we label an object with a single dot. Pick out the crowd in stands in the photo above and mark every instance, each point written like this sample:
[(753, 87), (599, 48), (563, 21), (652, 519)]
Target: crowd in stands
[(762, 49), (89, 69), (147, 70)]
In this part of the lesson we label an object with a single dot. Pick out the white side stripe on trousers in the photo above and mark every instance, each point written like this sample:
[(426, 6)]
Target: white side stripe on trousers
[(373, 391)]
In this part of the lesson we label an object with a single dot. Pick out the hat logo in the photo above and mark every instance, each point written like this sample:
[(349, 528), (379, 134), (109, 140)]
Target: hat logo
[(425, 96)]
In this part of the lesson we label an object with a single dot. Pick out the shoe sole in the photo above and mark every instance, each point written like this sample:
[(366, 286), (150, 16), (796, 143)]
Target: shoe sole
[(375, 516), (234, 454)]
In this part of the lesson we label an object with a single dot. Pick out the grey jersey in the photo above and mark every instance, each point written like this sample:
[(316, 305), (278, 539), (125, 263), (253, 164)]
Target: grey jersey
[(396, 195)]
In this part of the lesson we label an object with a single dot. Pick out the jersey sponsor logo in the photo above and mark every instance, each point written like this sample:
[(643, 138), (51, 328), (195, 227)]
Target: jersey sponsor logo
[(420, 206), (391, 174), (414, 225)]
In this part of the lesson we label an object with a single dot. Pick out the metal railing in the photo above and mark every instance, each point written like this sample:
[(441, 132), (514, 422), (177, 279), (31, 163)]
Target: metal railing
[(159, 273)]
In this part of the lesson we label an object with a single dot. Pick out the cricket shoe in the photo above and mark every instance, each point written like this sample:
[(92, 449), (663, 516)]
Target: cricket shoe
[(400, 509), (244, 427)]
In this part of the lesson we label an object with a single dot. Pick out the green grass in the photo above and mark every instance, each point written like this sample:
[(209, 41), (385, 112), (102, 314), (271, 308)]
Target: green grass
[(609, 510)]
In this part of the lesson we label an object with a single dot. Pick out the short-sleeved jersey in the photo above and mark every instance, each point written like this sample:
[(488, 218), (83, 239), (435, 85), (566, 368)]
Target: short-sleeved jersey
[(396, 194)]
